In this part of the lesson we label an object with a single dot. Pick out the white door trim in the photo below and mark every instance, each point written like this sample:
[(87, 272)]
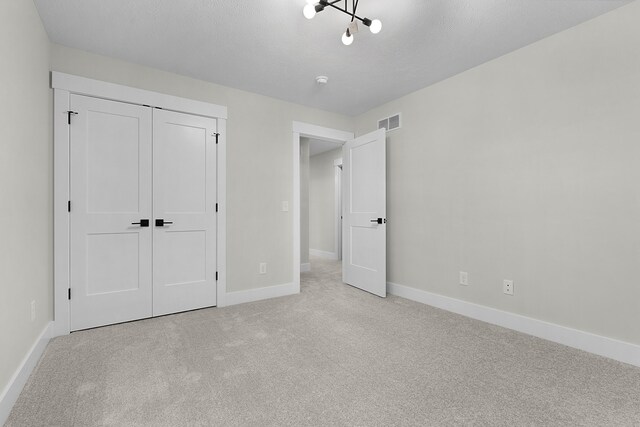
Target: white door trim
[(308, 130), (61, 226), (337, 166), (115, 92), (63, 86)]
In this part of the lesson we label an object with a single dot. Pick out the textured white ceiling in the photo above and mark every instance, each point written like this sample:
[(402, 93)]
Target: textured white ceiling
[(268, 47)]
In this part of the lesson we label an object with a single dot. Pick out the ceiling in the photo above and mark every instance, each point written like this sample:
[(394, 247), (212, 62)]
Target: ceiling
[(268, 47), (319, 146)]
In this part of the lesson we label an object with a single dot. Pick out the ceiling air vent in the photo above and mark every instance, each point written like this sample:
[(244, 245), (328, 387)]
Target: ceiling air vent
[(390, 123)]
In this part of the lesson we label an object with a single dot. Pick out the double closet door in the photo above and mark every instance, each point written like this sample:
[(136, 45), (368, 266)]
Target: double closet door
[(143, 212)]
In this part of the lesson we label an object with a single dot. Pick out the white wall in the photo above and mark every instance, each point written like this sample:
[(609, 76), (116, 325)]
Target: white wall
[(322, 201), (259, 132), (526, 168), (25, 183), (304, 200)]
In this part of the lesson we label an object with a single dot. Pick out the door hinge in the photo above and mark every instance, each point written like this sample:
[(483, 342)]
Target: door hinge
[(69, 206), (216, 207), (216, 276), (216, 135), (69, 113), (69, 293)]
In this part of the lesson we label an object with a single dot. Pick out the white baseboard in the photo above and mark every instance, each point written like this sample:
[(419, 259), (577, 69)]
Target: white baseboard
[(305, 267), (323, 254), (258, 294), (597, 344), (11, 392)]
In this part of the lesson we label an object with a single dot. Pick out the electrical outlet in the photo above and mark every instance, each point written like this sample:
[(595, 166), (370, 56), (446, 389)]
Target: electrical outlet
[(507, 287), (285, 206), (33, 310), (263, 268), (464, 278)]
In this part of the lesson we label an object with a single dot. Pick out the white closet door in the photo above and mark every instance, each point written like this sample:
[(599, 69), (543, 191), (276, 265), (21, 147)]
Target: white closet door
[(110, 146), (184, 199)]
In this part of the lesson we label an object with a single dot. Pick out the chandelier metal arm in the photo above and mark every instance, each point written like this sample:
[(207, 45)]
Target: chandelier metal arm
[(353, 15), (310, 10)]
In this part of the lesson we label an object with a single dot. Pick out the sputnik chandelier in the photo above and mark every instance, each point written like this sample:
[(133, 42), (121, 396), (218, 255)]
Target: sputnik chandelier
[(375, 25)]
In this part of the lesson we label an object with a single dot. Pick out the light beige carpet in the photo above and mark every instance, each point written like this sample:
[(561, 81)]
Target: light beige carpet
[(332, 355)]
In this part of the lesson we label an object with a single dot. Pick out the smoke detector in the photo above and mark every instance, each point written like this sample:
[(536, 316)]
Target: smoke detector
[(322, 80)]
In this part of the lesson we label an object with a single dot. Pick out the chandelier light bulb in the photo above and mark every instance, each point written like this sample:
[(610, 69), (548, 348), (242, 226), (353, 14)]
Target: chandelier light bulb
[(347, 38), (375, 26), (309, 11)]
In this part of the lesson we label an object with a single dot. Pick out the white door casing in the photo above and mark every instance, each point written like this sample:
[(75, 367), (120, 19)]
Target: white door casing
[(184, 197), (110, 185), (337, 165), (364, 222)]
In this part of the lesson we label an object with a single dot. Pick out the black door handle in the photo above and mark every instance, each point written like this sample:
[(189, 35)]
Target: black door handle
[(142, 223), (378, 220), (161, 222)]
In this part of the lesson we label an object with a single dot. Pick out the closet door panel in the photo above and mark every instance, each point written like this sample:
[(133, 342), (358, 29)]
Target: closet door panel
[(184, 245), (184, 169), (110, 187)]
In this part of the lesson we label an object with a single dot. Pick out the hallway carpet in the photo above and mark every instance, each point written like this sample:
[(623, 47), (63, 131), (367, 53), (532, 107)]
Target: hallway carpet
[(332, 355)]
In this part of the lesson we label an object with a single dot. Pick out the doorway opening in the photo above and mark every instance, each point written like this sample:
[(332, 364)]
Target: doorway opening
[(363, 192), (317, 227), (320, 197)]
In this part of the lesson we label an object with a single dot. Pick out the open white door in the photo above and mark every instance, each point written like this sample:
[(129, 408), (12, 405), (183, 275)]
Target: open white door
[(364, 237)]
